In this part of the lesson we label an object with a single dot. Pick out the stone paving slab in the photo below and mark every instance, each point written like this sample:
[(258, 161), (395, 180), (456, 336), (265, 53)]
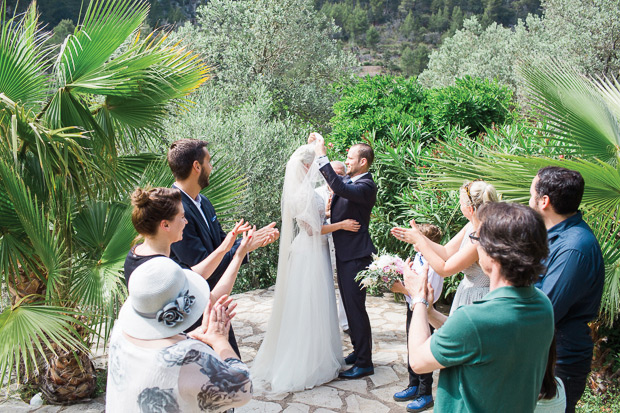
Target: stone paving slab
[(368, 394)]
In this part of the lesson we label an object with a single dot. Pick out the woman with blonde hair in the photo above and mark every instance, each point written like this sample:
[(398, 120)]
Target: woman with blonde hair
[(460, 253)]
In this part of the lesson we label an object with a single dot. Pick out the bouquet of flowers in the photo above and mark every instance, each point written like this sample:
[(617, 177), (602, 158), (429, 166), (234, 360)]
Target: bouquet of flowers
[(381, 274)]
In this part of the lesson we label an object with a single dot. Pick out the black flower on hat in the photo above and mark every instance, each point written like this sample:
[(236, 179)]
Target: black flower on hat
[(172, 313)]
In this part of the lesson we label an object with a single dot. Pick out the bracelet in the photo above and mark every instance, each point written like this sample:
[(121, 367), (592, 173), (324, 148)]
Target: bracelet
[(416, 300)]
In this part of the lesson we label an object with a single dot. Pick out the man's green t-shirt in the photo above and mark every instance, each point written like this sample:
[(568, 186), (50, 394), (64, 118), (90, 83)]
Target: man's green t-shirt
[(495, 352)]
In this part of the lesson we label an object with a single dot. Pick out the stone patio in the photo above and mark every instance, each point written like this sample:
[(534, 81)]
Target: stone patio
[(369, 394)]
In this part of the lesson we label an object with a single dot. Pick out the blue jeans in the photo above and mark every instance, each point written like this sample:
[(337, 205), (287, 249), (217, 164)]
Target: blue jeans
[(423, 381), (574, 377)]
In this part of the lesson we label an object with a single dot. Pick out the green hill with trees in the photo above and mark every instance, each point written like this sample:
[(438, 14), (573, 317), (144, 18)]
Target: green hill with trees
[(397, 35)]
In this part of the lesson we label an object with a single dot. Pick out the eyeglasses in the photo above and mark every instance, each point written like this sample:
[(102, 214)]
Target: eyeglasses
[(473, 238)]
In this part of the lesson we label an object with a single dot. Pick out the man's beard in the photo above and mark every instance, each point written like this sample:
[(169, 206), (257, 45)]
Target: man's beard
[(203, 180)]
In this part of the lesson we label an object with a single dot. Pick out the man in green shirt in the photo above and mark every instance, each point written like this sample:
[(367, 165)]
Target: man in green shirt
[(493, 352)]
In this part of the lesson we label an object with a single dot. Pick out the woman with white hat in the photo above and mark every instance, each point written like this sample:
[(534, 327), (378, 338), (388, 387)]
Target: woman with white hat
[(152, 366)]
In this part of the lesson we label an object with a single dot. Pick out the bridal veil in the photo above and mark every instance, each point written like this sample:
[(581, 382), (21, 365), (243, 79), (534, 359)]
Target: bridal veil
[(302, 345)]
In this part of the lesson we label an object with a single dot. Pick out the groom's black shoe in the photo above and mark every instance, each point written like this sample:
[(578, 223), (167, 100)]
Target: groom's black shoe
[(350, 359), (357, 372)]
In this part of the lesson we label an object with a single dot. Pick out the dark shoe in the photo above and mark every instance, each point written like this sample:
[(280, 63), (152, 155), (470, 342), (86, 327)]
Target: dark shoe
[(407, 394), (350, 359), (421, 403), (356, 372)]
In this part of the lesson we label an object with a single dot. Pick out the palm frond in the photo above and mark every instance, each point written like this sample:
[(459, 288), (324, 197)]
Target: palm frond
[(607, 231), (575, 107), (23, 59), (37, 151), (106, 233), (106, 25), (27, 330), (45, 242), (226, 188), (127, 171)]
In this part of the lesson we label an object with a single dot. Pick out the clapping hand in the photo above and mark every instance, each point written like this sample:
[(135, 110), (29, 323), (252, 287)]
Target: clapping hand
[(215, 321), (264, 236), (416, 284), (410, 235), (246, 241), (229, 241)]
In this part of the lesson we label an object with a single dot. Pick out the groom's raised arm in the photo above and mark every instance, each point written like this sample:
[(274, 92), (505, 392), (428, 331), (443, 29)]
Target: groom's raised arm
[(360, 192)]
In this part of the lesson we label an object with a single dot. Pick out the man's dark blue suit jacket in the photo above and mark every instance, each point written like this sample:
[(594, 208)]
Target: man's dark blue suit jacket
[(351, 201), (200, 240)]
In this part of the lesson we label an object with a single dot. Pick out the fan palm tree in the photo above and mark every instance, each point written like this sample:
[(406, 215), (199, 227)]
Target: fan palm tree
[(72, 125), (581, 132)]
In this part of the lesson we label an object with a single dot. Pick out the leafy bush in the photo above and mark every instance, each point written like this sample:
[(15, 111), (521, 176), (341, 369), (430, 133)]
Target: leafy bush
[(285, 45), (401, 170), (375, 104), (471, 103)]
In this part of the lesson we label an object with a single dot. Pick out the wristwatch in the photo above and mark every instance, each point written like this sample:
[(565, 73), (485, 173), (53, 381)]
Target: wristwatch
[(416, 300)]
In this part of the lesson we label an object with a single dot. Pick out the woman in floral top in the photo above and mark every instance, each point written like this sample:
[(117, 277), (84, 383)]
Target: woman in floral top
[(154, 368)]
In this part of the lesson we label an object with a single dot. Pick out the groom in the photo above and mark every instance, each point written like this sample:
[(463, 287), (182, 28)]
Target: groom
[(354, 197)]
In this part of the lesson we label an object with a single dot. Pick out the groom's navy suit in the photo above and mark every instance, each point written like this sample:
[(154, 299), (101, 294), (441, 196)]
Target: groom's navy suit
[(353, 200), (201, 239)]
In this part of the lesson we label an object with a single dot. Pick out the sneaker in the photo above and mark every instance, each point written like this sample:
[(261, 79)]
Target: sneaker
[(407, 394), (421, 403)]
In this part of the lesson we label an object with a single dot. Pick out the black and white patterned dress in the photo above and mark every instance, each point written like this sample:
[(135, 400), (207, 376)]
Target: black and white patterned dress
[(185, 377)]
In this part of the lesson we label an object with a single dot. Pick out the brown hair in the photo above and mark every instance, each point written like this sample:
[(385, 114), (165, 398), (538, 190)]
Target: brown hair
[(431, 232), (564, 187), (549, 386), (151, 206), (365, 151), (515, 236), (182, 155)]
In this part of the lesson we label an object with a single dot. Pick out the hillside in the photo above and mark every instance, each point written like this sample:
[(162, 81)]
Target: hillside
[(393, 36)]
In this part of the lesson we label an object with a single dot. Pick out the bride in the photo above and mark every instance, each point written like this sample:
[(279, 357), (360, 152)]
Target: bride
[(302, 347)]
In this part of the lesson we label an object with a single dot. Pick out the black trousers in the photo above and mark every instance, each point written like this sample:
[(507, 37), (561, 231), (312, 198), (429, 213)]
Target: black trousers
[(574, 377), (354, 301), (423, 381)]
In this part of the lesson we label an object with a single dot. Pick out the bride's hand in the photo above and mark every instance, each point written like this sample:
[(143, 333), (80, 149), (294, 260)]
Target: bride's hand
[(319, 147), (350, 225), (312, 137)]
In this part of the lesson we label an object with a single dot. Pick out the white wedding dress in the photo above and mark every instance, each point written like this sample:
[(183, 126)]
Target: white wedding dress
[(302, 346)]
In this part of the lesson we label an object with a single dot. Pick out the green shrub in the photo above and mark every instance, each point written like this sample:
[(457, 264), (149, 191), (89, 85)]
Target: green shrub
[(471, 103), (401, 170), (375, 104)]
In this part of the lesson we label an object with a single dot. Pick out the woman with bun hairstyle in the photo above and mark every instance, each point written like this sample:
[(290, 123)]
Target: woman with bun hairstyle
[(460, 253), (159, 218)]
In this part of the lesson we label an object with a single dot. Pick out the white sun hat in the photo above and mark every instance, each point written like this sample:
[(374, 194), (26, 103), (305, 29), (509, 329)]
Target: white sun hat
[(164, 300)]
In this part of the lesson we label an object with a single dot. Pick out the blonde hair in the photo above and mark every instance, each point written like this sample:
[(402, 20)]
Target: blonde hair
[(479, 192)]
